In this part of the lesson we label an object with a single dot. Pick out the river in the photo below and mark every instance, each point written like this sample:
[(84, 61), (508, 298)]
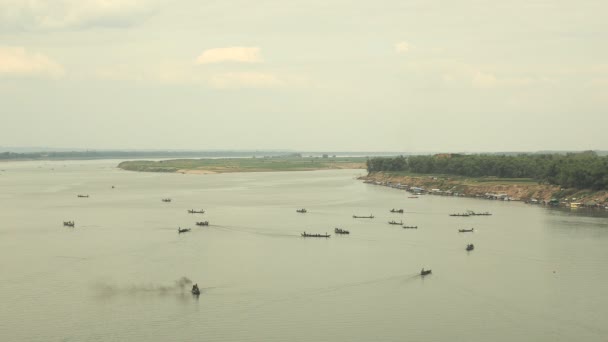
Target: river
[(536, 274)]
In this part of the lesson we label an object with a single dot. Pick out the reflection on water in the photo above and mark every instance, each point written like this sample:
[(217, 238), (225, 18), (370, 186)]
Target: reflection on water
[(123, 273)]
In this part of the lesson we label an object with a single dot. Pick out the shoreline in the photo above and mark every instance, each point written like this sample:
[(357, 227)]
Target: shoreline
[(523, 190)]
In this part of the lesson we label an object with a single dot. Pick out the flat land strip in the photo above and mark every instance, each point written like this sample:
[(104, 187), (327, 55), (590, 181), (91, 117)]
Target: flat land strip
[(225, 165)]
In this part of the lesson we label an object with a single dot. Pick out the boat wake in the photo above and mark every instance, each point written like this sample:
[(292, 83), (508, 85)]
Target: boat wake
[(180, 286)]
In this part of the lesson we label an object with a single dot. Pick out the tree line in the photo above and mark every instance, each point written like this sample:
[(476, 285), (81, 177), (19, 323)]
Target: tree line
[(585, 170)]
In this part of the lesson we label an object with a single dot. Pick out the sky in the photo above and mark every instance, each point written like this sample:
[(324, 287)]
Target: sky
[(309, 75)]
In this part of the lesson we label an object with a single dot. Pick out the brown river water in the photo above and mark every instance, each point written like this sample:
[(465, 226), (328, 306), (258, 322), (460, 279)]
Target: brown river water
[(123, 273)]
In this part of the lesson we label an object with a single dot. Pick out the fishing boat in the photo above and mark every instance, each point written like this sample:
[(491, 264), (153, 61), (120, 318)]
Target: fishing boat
[(470, 247), (166, 200), (395, 222), (83, 196), (369, 217), (183, 230), (466, 230), (195, 290), (424, 272), (461, 215), (341, 231), (68, 223), (410, 227), (202, 223), (400, 211), (193, 211), (473, 213), (412, 197), (302, 210), (305, 234)]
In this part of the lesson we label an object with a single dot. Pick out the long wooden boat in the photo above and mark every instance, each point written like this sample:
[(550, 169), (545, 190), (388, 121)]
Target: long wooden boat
[(400, 211), (410, 227), (166, 200), (302, 211), (83, 196), (424, 272), (461, 215), (68, 223), (412, 197), (183, 230), (369, 217), (466, 230), (472, 213), (193, 211), (341, 231), (305, 234), (202, 223), (395, 222)]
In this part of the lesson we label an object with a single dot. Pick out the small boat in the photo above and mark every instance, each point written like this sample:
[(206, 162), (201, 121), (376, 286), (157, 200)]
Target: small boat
[(341, 231), (424, 272), (166, 200), (461, 215), (112, 186), (472, 213), (470, 247), (202, 223), (83, 196), (302, 210), (412, 197), (410, 227), (395, 222), (369, 217), (305, 234), (182, 230), (400, 211), (195, 290), (68, 223), (193, 211), (466, 230)]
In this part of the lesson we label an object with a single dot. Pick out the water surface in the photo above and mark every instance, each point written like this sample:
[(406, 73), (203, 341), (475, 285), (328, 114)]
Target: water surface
[(535, 275)]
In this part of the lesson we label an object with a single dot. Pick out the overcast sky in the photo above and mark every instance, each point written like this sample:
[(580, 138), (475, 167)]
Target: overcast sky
[(401, 75)]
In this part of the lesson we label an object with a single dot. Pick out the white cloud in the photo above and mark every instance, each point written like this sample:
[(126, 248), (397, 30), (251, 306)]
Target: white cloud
[(40, 15), (484, 80), (245, 80), (241, 54), (402, 47), (16, 61)]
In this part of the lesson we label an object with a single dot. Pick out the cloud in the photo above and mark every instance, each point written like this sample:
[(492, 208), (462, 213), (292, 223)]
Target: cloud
[(16, 61), (484, 80), (240, 54), (43, 15), (402, 47), (245, 80)]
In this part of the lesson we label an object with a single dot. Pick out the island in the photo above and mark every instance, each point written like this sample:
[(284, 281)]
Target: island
[(225, 165)]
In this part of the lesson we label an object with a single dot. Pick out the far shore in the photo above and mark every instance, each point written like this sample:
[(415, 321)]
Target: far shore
[(231, 165)]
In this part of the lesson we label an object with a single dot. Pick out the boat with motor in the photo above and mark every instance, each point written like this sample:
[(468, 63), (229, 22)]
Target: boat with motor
[(410, 227), (395, 222), (470, 247), (202, 223), (341, 231), (166, 200), (424, 272), (305, 234), (83, 196), (195, 290), (302, 211), (68, 223), (182, 230), (369, 217), (194, 211), (466, 230), (400, 211), (461, 215)]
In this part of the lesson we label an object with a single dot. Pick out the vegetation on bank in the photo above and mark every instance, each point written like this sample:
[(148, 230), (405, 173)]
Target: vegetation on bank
[(584, 170), (223, 165)]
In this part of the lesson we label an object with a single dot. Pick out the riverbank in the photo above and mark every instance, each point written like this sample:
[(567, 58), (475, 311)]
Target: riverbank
[(512, 189), (227, 165)]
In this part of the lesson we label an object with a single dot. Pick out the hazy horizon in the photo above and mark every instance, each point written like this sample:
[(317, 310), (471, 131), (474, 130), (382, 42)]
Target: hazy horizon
[(415, 76)]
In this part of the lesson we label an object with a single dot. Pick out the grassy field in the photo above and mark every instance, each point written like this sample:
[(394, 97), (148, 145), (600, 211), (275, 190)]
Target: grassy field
[(243, 164)]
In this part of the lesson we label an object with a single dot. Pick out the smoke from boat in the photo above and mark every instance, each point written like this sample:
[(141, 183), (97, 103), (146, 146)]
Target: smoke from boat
[(179, 286)]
